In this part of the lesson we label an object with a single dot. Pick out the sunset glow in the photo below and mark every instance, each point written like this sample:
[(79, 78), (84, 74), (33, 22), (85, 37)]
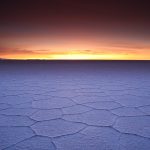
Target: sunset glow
[(80, 57), (79, 30)]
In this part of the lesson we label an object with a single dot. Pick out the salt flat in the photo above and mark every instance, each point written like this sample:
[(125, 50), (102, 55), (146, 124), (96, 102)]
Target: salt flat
[(74, 105)]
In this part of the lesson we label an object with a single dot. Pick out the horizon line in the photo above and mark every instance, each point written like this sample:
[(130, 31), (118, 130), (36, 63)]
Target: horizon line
[(5, 59)]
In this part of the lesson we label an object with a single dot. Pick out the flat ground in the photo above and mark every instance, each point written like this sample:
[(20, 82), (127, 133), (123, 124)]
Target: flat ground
[(74, 105)]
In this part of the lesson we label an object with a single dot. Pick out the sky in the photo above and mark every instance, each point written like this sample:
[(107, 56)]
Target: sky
[(75, 29)]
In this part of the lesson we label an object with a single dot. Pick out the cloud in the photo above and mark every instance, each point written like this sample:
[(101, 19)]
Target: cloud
[(130, 46), (6, 51)]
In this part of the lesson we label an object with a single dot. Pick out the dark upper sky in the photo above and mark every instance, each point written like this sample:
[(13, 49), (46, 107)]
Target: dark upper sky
[(110, 20), (80, 12)]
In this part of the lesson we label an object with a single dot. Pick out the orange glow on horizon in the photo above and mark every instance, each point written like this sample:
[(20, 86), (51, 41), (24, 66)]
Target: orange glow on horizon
[(87, 57), (77, 53), (77, 56)]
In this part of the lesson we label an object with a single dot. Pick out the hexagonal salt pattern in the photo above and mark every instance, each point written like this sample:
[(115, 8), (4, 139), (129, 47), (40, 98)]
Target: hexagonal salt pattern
[(74, 108), (103, 105), (77, 109), (15, 121), (90, 98), (18, 111), (91, 138), (139, 125), (133, 142), (127, 111), (16, 99), (47, 114), (95, 117), (52, 103), (34, 143), (4, 106), (58, 127), (145, 109), (13, 135)]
